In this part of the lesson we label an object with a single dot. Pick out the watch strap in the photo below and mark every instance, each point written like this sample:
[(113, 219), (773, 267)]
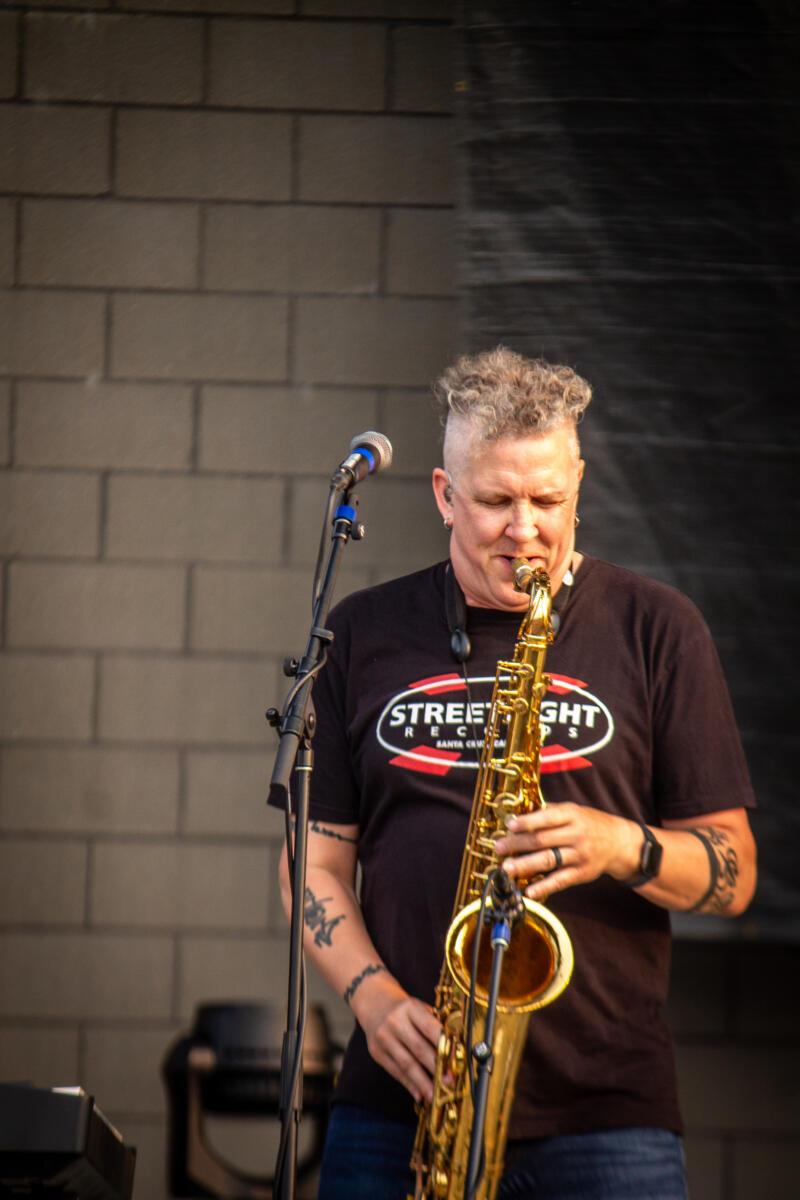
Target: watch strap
[(649, 858)]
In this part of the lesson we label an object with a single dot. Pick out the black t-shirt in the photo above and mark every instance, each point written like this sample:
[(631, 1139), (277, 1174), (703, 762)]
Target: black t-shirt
[(637, 722)]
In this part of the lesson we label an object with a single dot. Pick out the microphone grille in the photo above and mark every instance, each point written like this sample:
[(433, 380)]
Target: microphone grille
[(378, 444)]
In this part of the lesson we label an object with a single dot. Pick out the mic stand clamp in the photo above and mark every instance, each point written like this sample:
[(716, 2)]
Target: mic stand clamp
[(503, 911)]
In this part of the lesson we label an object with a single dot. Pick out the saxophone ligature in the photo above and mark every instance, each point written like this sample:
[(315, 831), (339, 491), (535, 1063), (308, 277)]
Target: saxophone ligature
[(538, 964)]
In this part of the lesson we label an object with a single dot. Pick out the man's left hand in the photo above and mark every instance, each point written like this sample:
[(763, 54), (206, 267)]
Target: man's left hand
[(589, 843)]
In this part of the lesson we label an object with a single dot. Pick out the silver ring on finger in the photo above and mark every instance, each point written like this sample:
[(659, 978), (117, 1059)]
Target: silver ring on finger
[(559, 861)]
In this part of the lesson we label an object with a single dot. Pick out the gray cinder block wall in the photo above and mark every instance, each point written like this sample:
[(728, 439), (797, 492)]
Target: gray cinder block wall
[(226, 246)]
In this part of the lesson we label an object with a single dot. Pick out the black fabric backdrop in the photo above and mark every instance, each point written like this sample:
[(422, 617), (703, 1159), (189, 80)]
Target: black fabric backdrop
[(629, 206)]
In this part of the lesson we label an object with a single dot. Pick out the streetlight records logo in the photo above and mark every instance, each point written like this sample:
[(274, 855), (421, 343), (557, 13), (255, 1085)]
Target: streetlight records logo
[(435, 727)]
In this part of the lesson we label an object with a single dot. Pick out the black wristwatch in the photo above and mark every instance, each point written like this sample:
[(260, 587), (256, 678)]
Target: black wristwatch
[(649, 859)]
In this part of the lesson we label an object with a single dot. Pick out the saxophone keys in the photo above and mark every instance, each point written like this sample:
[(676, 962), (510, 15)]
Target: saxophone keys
[(441, 1183)]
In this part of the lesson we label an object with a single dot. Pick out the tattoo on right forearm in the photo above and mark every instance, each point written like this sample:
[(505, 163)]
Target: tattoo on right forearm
[(326, 831), (332, 833), (723, 870), (317, 920), (355, 984)]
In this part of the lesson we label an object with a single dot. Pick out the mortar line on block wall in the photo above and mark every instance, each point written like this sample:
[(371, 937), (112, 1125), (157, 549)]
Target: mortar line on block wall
[(231, 294), (113, 125), (188, 608), (158, 564), (310, 18), (59, 836), (177, 963), (20, 67), (102, 515), (12, 422), (383, 251), (286, 534), (154, 653), (95, 1021), (205, 81), (108, 332), (165, 837), (82, 1050), (236, 202), (18, 234), (291, 338), (183, 788), (89, 881), (238, 18), (202, 224), (260, 382), (389, 73), (255, 110), (380, 407), (206, 745), (294, 160), (94, 716), (124, 930), (194, 448), (4, 570)]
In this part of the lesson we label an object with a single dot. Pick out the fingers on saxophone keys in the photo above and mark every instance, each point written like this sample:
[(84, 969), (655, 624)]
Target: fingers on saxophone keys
[(541, 862), (412, 1075)]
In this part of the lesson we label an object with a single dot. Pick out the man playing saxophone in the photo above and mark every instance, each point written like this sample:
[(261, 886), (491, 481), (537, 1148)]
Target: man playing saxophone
[(646, 789)]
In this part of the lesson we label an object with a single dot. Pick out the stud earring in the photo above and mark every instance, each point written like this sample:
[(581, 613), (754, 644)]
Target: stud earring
[(577, 520), (448, 523)]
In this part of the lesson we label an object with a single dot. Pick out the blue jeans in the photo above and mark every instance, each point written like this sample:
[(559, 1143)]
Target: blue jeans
[(366, 1158)]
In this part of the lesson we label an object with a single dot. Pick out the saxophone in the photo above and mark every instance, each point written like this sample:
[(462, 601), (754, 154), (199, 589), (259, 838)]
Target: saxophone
[(538, 964)]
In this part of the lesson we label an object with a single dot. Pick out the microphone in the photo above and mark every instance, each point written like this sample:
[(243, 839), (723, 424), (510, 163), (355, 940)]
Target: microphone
[(370, 452)]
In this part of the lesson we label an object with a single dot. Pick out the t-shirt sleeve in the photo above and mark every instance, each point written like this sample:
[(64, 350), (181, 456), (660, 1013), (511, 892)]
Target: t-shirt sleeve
[(698, 761)]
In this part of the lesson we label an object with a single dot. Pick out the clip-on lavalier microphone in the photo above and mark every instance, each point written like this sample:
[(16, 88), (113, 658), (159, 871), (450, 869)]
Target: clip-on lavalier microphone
[(456, 610)]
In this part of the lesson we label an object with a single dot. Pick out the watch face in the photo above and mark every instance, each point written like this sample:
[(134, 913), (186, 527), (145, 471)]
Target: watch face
[(651, 856)]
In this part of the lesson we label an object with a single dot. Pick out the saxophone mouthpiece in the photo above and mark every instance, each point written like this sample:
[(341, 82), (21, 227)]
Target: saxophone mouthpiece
[(523, 574)]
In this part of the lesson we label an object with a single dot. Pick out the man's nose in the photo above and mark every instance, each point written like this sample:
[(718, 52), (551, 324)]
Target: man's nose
[(522, 523)]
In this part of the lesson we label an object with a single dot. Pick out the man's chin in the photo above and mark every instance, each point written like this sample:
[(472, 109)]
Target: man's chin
[(508, 598)]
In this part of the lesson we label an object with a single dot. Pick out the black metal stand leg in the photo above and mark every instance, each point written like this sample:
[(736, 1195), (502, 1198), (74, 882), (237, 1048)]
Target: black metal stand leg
[(296, 725), (292, 1088), (483, 1054)]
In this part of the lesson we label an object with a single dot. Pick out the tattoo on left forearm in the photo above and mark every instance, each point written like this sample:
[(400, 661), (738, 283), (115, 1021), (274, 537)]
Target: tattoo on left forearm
[(316, 918), (723, 864), (355, 983)]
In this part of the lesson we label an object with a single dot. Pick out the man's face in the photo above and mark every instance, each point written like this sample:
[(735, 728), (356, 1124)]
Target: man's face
[(515, 497)]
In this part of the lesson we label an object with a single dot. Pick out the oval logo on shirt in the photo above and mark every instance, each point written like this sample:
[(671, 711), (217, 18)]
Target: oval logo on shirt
[(434, 726)]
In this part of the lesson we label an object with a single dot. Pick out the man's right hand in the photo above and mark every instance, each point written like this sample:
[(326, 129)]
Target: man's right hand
[(402, 1033)]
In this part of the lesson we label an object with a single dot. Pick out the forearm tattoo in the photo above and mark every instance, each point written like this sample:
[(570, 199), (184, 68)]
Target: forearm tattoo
[(315, 827), (355, 984), (317, 920), (723, 870)]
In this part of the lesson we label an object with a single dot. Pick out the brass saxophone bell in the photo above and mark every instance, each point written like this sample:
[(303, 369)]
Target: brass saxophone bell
[(536, 967)]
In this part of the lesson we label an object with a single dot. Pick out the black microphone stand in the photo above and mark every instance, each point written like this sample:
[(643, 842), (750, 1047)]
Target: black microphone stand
[(505, 910), (296, 726)]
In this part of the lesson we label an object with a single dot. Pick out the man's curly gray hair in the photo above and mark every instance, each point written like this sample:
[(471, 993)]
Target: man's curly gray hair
[(504, 394)]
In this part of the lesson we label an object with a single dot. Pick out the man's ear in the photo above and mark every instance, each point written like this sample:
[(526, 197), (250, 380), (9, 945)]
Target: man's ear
[(443, 491)]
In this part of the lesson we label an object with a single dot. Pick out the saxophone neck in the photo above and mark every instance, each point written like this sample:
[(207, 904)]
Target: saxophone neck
[(536, 582)]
